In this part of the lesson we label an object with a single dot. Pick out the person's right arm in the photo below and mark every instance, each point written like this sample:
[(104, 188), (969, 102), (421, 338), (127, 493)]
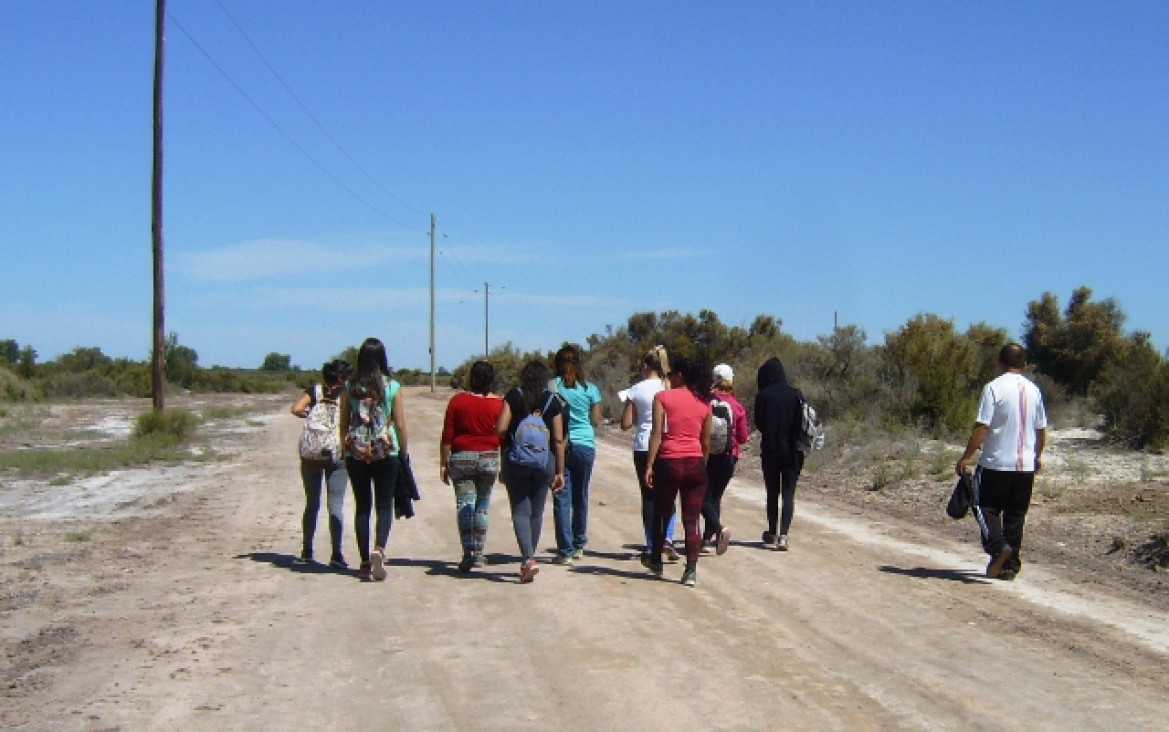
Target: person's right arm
[(977, 435), (300, 409), (628, 415)]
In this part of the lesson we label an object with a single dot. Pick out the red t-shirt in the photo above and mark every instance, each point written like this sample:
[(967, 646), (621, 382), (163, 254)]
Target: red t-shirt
[(685, 413), (470, 422)]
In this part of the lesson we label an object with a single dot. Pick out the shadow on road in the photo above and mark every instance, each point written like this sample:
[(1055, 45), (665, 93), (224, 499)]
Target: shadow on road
[(966, 576), (288, 562)]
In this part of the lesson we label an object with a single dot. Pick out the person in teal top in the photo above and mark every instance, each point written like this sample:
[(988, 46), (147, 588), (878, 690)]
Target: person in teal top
[(374, 429), (570, 507)]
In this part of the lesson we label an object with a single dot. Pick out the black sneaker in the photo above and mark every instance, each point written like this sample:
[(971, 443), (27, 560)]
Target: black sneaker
[(306, 557), (995, 568), (770, 540), (1008, 575), (655, 567), (338, 562), (467, 563), (690, 576)]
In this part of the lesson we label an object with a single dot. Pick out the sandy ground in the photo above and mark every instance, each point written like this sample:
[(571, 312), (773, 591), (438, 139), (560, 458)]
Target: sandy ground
[(167, 599)]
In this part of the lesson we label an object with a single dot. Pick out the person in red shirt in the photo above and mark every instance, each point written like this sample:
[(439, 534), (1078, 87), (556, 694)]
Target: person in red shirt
[(469, 458), (679, 444)]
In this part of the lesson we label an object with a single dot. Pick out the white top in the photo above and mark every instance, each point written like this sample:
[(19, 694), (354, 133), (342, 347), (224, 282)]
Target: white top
[(642, 394), (1012, 407)]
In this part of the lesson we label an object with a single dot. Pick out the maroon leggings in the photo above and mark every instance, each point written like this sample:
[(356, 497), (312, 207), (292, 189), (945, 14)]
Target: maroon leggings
[(684, 477)]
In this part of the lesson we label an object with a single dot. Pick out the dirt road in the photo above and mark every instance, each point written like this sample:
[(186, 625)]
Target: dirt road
[(186, 612)]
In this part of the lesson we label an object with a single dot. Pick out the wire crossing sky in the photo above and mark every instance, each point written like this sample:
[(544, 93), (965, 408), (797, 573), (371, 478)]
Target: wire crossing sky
[(852, 161)]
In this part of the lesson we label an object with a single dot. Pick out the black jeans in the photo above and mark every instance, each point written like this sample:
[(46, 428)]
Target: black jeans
[(1004, 497), (780, 478), (719, 470), (379, 497)]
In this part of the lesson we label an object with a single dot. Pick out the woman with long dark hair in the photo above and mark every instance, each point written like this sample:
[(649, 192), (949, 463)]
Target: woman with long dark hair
[(571, 506), (469, 458), (527, 485), (374, 425), (679, 444)]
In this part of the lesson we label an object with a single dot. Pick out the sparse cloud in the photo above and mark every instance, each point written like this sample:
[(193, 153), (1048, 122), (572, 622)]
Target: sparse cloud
[(275, 258)]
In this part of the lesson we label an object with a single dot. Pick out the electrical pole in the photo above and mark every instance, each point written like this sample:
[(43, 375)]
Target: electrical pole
[(158, 369), (432, 303)]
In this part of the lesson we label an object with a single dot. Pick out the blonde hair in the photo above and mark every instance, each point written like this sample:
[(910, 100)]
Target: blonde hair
[(658, 361)]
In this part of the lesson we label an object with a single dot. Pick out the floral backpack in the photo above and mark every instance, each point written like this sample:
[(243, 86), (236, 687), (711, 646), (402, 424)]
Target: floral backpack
[(320, 442), (371, 433)]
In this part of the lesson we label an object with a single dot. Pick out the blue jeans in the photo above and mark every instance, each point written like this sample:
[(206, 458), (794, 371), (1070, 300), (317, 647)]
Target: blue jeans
[(570, 507), (473, 476), (336, 480)]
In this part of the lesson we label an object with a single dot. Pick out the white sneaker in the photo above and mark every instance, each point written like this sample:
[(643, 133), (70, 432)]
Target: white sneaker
[(781, 544), (378, 559)]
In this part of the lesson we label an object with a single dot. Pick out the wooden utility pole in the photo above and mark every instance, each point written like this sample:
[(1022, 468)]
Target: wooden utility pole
[(158, 370), (432, 303)]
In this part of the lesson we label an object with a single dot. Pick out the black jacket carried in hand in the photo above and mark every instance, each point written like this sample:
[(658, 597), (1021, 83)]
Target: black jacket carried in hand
[(778, 414)]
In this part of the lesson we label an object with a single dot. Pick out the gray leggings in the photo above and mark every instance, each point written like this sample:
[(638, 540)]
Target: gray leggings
[(336, 479), (527, 491)]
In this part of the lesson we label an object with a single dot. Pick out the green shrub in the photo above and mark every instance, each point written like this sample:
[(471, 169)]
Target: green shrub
[(1133, 396), (170, 426)]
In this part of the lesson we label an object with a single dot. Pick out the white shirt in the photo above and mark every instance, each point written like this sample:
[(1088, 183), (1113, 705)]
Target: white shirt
[(1012, 407), (642, 395)]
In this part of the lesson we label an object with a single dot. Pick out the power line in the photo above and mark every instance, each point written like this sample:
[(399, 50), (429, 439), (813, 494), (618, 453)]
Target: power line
[(304, 108), (281, 130)]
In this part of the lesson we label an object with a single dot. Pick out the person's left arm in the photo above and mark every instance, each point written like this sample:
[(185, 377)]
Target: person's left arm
[(742, 429), (655, 441), (595, 409)]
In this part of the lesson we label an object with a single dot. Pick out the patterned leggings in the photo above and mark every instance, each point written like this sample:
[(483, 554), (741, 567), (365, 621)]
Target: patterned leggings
[(473, 475)]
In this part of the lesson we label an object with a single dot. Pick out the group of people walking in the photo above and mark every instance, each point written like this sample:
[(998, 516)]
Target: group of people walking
[(540, 438)]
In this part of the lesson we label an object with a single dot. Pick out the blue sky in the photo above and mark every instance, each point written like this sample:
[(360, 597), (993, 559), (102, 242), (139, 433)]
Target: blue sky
[(863, 161)]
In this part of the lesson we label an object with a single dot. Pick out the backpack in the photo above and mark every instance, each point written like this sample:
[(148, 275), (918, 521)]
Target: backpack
[(531, 443), (370, 437), (722, 423), (811, 429), (319, 442)]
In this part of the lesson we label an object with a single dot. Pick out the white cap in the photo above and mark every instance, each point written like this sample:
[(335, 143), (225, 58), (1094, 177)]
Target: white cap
[(723, 374)]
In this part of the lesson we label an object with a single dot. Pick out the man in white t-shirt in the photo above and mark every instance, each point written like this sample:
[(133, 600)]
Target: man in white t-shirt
[(1011, 429)]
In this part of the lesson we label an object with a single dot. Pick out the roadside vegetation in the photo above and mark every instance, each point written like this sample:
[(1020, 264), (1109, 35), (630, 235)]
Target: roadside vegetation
[(924, 378)]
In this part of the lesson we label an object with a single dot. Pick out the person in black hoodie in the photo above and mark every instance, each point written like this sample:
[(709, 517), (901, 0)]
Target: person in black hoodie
[(778, 417)]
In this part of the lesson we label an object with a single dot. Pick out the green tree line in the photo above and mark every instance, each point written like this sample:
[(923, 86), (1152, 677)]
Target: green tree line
[(87, 372), (925, 375)]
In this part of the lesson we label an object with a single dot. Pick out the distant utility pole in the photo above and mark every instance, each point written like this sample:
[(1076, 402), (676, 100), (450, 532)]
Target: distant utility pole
[(432, 303), (158, 369)]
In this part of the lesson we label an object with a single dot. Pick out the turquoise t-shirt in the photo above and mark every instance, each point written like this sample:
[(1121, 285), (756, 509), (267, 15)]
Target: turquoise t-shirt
[(580, 399)]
